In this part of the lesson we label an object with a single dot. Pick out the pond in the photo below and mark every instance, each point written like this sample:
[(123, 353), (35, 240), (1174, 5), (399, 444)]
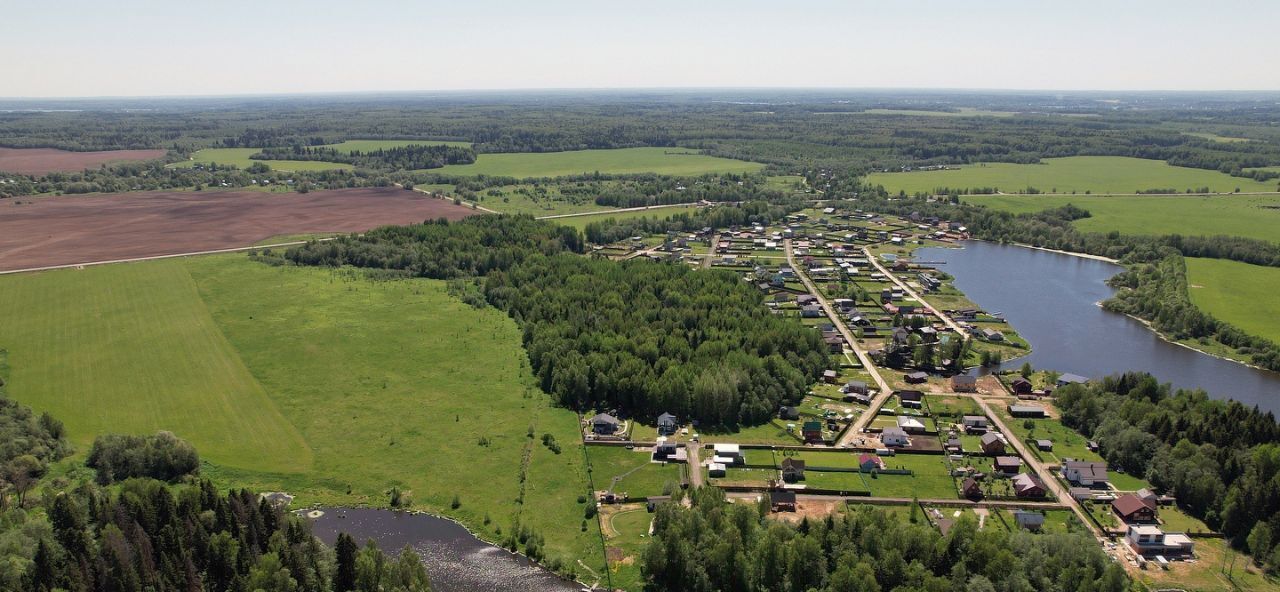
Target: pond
[(456, 560), (1051, 300)]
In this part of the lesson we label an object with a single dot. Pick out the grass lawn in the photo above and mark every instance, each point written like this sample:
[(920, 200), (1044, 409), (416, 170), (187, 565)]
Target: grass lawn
[(1216, 568), (239, 157), (581, 222), (1174, 519), (931, 478), (637, 475), (623, 161), (628, 532), (1251, 216), (350, 146), (1099, 174), (1238, 293), (773, 432), (1126, 482)]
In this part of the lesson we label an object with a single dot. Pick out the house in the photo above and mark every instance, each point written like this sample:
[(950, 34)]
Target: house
[(953, 445), (857, 398), (975, 423), (792, 470), (856, 387), (916, 377), (1029, 520), (1081, 493), (788, 413), (870, 462), (811, 431), (992, 335), (1147, 540), (1148, 497), (910, 425), (605, 424), (893, 437), (1026, 411), (811, 311), (1132, 508), (1009, 465), (667, 424), (729, 451), (911, 399), (665, 448), (1044, 445), (1027, 485), (964, 383), (782, 501), (830, 376), (1021, 386), (971, 489), (806, 299), (1069, 378), (1085, 473), (835, 343), (715, 469), (992, 444)]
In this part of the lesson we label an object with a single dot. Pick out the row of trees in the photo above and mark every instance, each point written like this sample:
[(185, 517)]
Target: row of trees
[(1219, 458), (411, 157), (162, 456), (717, 546)]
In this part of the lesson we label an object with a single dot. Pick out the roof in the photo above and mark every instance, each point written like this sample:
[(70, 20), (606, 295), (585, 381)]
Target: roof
[(1129, 504), (666, 417), (731, 449), (605, 418), (1096, 470), (893, 432), (969, 483), (1025, 481), (981, 418), (1008, 461), (964, 378), (864, 459), (1026, 409), (1146, 529), (991, 438), (812, 425), (792, 463), (912, 395), (904, 421), (1069, 378), (782, 497)]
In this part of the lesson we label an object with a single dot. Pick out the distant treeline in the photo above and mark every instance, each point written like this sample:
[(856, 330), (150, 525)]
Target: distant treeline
[(641, 337), (717, 546), (1219, 458), (401, 158)]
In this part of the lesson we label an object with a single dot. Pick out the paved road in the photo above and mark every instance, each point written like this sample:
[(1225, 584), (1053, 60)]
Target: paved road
[(861, 422), (154, 257), (912, 293)]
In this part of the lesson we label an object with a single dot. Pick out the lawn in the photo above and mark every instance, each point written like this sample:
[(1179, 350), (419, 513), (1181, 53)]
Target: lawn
[(628, 532), (317, 382), (1216, 568), (1238, 293), (773, 432), (636, 474), (622, 161), (1099, 174), (239, 157), (581, 222), (1067, 443), (1251, 216)]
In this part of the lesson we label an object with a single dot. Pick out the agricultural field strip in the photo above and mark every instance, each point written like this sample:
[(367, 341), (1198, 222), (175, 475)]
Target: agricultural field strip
[(156, 257)]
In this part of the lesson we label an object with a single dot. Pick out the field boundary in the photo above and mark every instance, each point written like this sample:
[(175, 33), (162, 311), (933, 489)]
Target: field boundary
[(156, 257)]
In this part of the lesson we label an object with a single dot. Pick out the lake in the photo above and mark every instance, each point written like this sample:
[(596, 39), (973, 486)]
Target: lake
[(1051, 300), (456, 560)]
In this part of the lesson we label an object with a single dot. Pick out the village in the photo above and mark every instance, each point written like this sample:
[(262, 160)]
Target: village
[(908, 416)]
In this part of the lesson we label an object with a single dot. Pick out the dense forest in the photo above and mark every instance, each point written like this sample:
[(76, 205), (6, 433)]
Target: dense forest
[(412, 157), (640, 336), (717, 546), (1219, 458)]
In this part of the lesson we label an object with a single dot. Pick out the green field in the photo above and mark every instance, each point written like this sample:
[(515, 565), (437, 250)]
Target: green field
[(536, 200), (239, 157), (350, 146), (1238, 293), (667, 161), (316, 382), (637, 475), (581, 222), (1098, 174), (1251, 216)]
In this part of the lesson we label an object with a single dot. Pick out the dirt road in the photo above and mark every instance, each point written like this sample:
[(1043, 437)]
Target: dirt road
[(912, 293)]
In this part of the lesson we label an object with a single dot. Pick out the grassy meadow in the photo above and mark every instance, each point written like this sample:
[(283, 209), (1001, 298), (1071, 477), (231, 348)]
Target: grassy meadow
[(239, 157), (581, 222), (317, 382), (1238, 293), (1097, 174), (1252, 216), (622, 161)]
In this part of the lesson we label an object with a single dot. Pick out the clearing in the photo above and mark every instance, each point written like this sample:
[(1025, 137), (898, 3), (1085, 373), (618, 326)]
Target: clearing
[(40, 161), (79, 229), (1098, 174), (622, 161), (239, 157), (1238, 293)]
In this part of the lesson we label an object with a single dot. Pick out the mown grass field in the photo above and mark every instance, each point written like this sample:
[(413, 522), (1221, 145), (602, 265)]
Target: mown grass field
[(350, 146), (636, 474), (581, 222), (1238, 293), (1098, 174), (667, 161), (1252, 216), (316, 382), (239, 157)]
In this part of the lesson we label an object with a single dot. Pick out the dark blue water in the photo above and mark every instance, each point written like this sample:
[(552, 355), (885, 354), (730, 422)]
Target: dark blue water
[(1051, 300)]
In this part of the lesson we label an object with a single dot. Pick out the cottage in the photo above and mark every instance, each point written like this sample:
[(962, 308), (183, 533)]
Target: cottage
[(910, 425), (975, 423), (811, 431), (1044, 445), (1069, 378), (1132, 508), (830, 376), (964, 383), (911, 399), (782, 501), (1028, 520), (971, 489), (605, 424), (835, 343), (856, 387), (992, 444), (667, 424), (792, 470), (788, 413), (916, 377), (1021, 386), (1028, 485), (1009, 465), (1085, 473), (870, 462), (715, 469), (893, 437), (992, 335), (1034, 411), (864, 399), (665, 448), (805, 299), (1150, 541), (811, 311), (1081, 494), (729, 451), (953, 445)]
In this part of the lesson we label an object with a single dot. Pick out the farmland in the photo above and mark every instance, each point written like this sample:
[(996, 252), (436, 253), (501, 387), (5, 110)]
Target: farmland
[(312, 381), (38, 161), (239, 157), (1238, 293), (1076, 174), (623, 161), (1252, 216)]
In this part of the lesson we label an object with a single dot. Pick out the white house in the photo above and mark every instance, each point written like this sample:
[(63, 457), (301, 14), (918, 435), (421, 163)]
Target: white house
[(910, 425), (893, 437), (1085, 473)]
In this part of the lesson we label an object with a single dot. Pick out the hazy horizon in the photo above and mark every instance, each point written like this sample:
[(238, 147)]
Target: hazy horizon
[(149, 48)]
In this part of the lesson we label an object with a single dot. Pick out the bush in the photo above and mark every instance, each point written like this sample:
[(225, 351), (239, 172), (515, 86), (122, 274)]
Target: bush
[(163, 456)]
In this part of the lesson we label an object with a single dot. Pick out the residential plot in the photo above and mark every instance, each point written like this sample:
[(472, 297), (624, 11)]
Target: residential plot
[(617, 469)]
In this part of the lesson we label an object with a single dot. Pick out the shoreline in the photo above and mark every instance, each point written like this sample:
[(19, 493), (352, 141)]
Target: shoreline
[(1166, 339), (1071, 253)]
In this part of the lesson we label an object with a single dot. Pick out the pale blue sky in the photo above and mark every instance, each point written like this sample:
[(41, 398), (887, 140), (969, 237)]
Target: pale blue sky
[(173, 47)]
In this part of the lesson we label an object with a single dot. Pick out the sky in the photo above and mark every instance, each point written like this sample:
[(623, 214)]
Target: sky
[(76, 48)]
